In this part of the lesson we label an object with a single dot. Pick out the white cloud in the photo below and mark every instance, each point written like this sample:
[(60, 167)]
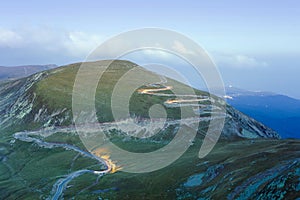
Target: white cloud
[(9, 38), (45, 39), (158, 53), (238, 61), (179, 47), (80, 43), (74, 45)]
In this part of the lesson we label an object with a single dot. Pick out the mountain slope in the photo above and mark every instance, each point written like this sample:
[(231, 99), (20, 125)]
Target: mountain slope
[(279, 112), (15, 72), (45, 99), (43, 157)]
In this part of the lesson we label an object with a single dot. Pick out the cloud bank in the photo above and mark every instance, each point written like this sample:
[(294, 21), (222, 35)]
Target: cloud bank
[(37, 42), (238, 61), (33, 45)]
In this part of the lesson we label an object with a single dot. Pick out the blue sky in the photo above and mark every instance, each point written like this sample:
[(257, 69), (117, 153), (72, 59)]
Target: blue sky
[(254, 43)]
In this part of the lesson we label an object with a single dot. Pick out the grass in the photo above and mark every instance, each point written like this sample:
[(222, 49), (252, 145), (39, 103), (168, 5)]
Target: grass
[(241, 159), (55, 91), (34, 169), (238, 166), (29, 171)]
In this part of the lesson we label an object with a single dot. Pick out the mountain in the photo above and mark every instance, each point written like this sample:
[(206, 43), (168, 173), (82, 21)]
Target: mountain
[(15, 72), (42, 156), (34, 101), (280, 112)]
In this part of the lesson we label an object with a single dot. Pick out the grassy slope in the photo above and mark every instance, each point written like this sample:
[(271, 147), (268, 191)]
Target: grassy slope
[(36, 169), (240, 159), (55, 92)]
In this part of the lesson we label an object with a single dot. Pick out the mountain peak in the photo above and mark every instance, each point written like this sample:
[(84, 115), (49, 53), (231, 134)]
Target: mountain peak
[(51, 95)]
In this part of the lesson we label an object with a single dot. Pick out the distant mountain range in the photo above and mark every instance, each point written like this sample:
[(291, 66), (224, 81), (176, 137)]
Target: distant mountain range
[(279, 112), (15, 72)]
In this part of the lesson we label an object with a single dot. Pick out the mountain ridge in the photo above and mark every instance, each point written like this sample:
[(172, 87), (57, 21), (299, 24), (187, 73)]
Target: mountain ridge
[(277, 111), (43, 156), (36, 95), (15, 72)]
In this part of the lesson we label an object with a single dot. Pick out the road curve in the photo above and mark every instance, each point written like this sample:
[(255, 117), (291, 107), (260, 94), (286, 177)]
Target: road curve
[(62, 183)]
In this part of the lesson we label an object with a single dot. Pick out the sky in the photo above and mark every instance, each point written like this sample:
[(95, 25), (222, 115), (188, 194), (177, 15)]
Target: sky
[(255, 44)]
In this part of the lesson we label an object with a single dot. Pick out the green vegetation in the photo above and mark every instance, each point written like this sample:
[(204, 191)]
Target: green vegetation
[(67, 138), (28, 171), (239, 158), (35, 170), (55, 91)]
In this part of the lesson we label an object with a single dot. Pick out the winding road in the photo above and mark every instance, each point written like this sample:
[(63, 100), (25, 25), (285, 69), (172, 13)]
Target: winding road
[(61, 184)]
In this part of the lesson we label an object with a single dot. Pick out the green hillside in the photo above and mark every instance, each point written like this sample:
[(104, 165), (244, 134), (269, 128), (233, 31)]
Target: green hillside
[(55, 91), (40, 147)]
